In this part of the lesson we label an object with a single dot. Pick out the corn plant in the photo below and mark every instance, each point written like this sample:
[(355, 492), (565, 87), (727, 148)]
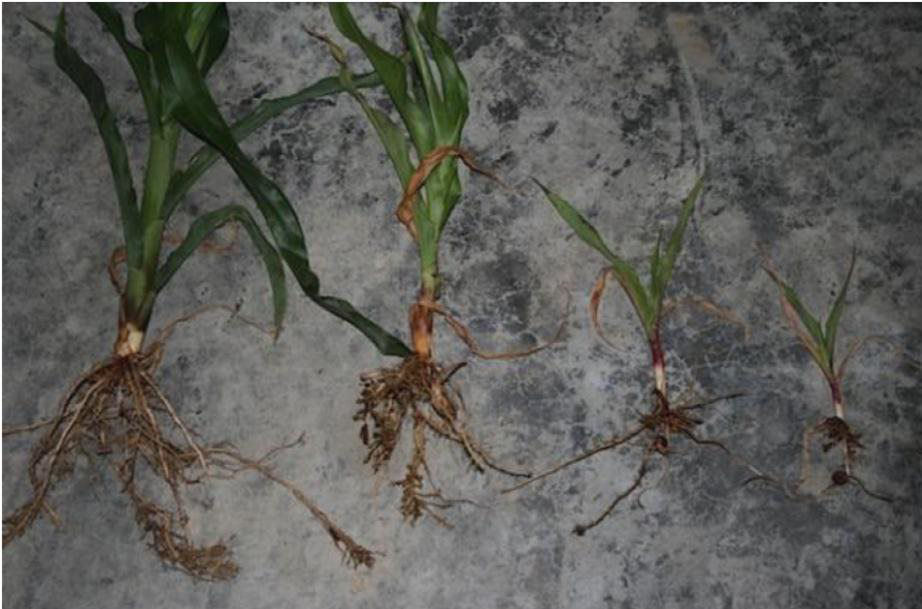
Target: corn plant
[(117, 406), (651, 306), (432, 103), (819, 339)]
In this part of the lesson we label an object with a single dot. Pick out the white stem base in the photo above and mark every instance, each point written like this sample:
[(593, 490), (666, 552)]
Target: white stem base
[(659, 375), (130, 339)]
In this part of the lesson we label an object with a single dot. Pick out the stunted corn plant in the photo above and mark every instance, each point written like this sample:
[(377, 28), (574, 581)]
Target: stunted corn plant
[(117, 408), (819, 339), (432, 103), (664, 419)]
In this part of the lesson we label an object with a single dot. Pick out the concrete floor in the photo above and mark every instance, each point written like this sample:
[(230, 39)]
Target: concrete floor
[(808, 120)]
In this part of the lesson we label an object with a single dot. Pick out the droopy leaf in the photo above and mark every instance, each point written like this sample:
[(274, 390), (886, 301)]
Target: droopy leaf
[(94, 92), (204, 226), (832, 323), (626, 275), (267, 110), (394, 141), (198, 113)]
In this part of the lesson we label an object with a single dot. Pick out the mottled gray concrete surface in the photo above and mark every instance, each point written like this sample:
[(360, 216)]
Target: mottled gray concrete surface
[(809, 121)]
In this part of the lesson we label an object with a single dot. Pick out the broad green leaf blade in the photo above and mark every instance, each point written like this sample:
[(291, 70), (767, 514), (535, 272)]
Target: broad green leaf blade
[(204, 226), (626, 275), (443, 185), (267, 110), (393, 75), (214, 40), (392, 138), (454, 85), (137, 58), (832, 323), (198, 113), (583, 229), (438, 116), (193, 18), (674, 245), (94, 92), (389, 67)]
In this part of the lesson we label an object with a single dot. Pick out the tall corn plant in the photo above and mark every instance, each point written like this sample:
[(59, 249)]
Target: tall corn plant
[(430, 98), (180, 45), (117, 404)]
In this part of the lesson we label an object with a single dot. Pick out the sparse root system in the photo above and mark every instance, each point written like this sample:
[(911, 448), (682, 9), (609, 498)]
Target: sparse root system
[(420, 390), (658, 426), (838, 432), (835, 431), (117, 410)]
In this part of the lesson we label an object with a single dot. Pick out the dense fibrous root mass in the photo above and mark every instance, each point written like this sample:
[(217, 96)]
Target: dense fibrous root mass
[(117, 410), (417, 389)]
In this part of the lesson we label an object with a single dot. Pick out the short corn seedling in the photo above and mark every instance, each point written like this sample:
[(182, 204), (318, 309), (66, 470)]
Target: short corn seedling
[(664, 419), (433, 109), (819, 339), (117, 408)]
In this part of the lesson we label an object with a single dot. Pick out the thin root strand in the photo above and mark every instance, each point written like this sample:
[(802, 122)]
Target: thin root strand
[(116, 410)]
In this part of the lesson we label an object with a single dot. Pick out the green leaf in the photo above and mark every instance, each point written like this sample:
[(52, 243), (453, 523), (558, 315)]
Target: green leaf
[(393, 75), (832, 323), (94, 92), (389, 67), (267, 110), (449, 114), (438, 117), (583, 229), (626, 275), (655, 269), (137, 59), (192, 18), (214, 40), (454, 86), (393, 140), (198, 113), (673, 247), (204, 226), (809, 322), (813, 339)]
